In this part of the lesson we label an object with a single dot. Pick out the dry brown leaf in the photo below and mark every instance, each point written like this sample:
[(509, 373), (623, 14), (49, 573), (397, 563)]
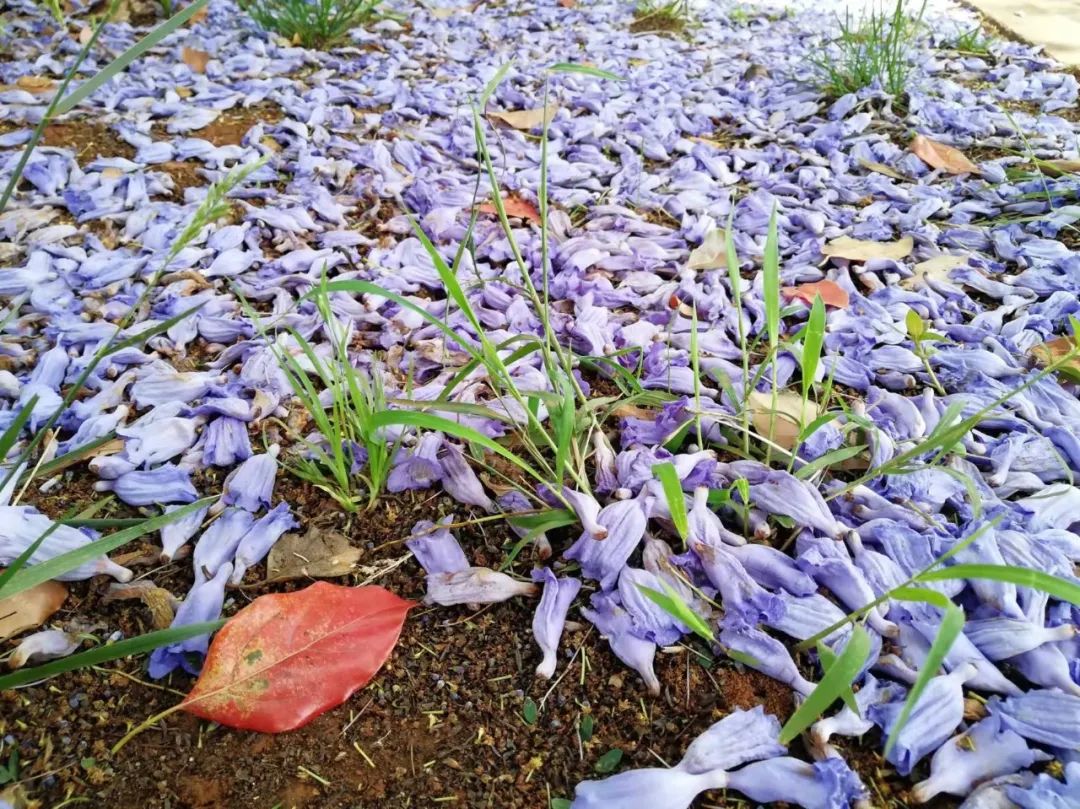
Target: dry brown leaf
[(161, 603), (939, 156), (1056, 168), (832, 294), (710, 254), (35, 84), (84, 34), (881, 168), (200, 15), (782, 425), (864, 250), (195, 59), (30, 608), (448, 12), (933, 269), (1052, 350), (514, 206), (568, 3), (525, 119), (318, 553)]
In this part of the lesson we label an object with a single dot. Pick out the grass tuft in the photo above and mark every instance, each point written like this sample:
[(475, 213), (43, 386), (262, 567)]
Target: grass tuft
[(311, 23)]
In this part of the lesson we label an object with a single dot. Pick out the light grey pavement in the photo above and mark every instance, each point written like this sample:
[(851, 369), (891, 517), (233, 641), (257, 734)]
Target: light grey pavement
[(1054, 24)]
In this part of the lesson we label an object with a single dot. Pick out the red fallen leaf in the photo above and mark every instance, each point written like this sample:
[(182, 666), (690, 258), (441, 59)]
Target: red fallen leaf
[(288, 657), (568, 3), (514, 206), (939, 156), (831, 293)]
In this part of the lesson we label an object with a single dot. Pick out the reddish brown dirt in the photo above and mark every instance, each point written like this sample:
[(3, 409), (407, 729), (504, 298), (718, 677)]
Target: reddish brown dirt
[(229, 128)]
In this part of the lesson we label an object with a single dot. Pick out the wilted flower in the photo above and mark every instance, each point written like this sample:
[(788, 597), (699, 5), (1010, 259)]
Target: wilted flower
[(48, 644), (460, 481), (435, 547), (1002, 638), (260, 538), (474, 585), (1047, 717), (203, 603), (22, 526), (550, 616), (616, 626), (647, 788), (420, 467), (176, 534), (219, 542), (251, 484), (828, 784), (739, 737), (649, 619), (603, 559), (766, 653), (165, 484)]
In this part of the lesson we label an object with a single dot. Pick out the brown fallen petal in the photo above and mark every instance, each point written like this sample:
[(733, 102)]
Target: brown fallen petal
[(939, 156), (30, 608), (195, 59), (526, 119), (35, 84), (316, 554), (864, 250)]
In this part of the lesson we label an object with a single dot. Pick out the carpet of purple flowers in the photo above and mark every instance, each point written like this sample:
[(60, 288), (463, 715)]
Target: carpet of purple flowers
[(725, 123)]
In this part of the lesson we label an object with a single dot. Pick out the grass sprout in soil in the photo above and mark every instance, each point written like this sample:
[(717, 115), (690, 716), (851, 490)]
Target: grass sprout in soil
[(392, 458)]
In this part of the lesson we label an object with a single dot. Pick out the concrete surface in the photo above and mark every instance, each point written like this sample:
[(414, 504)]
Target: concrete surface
[(1054, 24)]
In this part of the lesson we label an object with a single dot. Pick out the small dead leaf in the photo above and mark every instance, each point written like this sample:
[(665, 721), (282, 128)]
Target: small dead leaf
[(200, 15), (448, 12), (161, 603), (526, 120), (1056, 168), (514, 206), (881, 168), (568, 3), (195, 59), (933, 269), (832, 294), (35, 84), (863, 250), (84, 34), (939, 156), (710, 254), (318, 553), (1054, 350), (31, 608), (786, 421)]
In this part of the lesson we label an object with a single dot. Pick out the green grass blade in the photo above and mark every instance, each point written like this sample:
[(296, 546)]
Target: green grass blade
[(1058, 588), (88, 87), (114, 651), (11, 434), (673, 493), (58, 565), (952, 623), (838, 677), (836, 456), (584, 70), (670, 602), (813, 340), (771, 287)]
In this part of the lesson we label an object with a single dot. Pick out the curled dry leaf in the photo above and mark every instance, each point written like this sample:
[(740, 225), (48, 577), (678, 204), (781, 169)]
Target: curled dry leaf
[(30, 608), (881, 168), (514, 206), (864, 250), (933, 269), (782, 425), (317, 554), (288, 657), (526, 119), (832, 294), (161, 603), (195, 59), (710, 254), (939, 156), (1054, 350)]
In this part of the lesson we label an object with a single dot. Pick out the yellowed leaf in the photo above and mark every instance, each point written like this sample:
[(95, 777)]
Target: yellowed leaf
[(1052, 350), (782, 425), (526, 119), (30, 608), (710, 254), (933, 269), (881, 168), (35, 84), (939, 156), (195, 59), (84, 34), (446, 13), (1056, 168), (864, 250)]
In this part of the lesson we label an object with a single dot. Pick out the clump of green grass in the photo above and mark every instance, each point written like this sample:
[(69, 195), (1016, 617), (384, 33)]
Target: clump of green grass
[(311, 23), (873, 48), (657, 15), (971, 41)]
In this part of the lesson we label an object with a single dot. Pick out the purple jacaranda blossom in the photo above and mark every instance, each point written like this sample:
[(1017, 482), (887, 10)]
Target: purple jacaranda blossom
[(159, 440), (926, 623), (460, 481), (550, 616), (226, 442), (219, 542), (418, 468), (777, 492), (769, 656), (739, 737), (846, 722), (260, 538), (1044, 716), (176, 534), (830, 565), (604, 462), (22, 526), (251, 484), (161, 388), (828, 784), (985, 751), (1002, 638), (1047, 792), (741, 595), (704, 525), (49, 644), (203, 603), (774, 569), (935, 716), (474, 585), (650, 621), (435, 547), (803, 617), (616, 625), (165, 484), (1056, 506), (1046, 666), (647, 788), (603, 559), (587, 510), (658, 559)]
